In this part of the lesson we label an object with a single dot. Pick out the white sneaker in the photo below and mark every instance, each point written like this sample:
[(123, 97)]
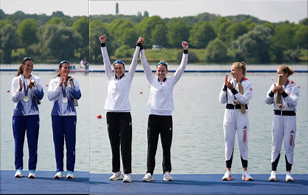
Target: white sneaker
[(289, 177), (32, 174), (227, 176), (167, 176), (127, 178), (116, 176), (18, 173), (273, 176), (70, 175), (246, 176), (148, 177), (59, 175)]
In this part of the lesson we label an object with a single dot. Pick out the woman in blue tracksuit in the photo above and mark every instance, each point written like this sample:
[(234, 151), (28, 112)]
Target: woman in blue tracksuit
[(119, 121), (62, 91), (26, 93)]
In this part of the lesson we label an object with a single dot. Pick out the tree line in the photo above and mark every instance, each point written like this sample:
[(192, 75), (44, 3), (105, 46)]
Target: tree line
[(49, 39)]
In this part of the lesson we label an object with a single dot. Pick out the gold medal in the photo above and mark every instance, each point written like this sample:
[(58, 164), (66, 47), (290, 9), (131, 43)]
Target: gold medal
[(64, 99), (26, 98), (234, 102), (281, 106)]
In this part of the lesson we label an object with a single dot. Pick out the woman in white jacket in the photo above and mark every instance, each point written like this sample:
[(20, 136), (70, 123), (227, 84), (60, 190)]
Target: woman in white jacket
[(284, 123), (161, 105), (236, 120), (119, 120)]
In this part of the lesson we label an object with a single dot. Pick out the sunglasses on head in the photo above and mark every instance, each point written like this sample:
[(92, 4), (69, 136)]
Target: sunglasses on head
[(163, 63), (118, 61), (63, 62), (26, 59)]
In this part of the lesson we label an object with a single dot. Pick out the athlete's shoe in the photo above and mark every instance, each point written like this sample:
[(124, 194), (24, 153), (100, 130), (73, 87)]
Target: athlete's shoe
[(70, 175), (32, 174), (148, 177), (127, 178), (59, 175), (18, 173), (289, 177), (246, 176), (116, 176), (167, 176), (273, 176), (227, 176)]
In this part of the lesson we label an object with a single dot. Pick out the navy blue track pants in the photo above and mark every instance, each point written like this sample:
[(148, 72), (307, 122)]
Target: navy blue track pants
[(64, 128), (21, 125)]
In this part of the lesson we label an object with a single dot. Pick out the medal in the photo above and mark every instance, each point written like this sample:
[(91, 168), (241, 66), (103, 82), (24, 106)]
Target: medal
[(234, 102), (26, 98), (64, 99), (281, 106), (26, 89)]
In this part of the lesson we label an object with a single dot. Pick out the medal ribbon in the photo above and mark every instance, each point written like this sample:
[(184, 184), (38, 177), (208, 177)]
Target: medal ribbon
[(63, 91), (235, 85), (284, 87), (25, 86)]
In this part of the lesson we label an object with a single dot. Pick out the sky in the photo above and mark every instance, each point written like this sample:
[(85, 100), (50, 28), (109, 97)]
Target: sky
[(272, 11)]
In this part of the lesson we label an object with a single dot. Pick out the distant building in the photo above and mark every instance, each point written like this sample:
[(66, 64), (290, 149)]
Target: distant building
[(154, 47)]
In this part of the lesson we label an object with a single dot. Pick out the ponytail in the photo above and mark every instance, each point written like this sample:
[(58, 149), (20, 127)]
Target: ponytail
[(20, 70)]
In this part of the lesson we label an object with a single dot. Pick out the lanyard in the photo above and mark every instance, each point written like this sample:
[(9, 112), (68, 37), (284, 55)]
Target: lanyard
[(25, 85), (63, 91)]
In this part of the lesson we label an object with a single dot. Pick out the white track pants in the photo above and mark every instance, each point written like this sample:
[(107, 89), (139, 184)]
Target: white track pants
[(236, 121), (284, 129)]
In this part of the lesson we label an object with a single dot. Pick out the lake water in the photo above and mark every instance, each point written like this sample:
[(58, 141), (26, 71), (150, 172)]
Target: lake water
[(198, 134)]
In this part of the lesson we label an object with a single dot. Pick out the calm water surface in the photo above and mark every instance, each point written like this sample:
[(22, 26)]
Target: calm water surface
[(198, 134)]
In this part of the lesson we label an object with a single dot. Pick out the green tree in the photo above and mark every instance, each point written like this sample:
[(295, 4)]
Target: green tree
[(215, 51), (301, 37), (147, 25), (9, 41), (82, 27), (27, 31), (2, 15), (123, 52), (177, 32), (158, 35), (254, 46), (146, 14), (201, 34), (96, 29), (282, 40), (61, 41), (55, 21), (304, 22), (234, 31), (222, 31)]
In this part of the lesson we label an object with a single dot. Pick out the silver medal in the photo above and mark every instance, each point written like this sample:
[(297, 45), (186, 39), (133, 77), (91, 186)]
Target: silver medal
[(64, 99), (26, 98)]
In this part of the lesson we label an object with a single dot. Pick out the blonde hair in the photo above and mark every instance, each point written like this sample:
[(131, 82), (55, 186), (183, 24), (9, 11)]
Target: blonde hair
[(240, 66), (286, 70)]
